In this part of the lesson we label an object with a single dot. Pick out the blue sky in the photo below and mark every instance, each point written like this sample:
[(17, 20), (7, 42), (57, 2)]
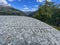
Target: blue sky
[(25, 5)]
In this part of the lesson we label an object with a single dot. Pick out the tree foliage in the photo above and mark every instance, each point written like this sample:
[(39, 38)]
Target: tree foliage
[(49, 13)]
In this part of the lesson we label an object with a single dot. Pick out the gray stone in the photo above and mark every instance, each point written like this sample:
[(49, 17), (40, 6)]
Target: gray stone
[(20, 30)]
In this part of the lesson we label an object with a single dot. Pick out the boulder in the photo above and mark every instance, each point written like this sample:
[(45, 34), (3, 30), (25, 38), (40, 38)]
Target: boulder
[(21, 30)]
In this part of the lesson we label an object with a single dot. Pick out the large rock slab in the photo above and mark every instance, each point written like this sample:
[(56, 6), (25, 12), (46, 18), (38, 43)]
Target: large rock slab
[(20, 30)]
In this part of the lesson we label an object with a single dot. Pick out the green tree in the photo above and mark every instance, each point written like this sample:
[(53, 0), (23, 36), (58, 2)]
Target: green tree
[(49, 13)]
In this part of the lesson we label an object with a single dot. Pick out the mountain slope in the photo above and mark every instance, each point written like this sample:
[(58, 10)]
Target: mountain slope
[(33, 13), (28, 12), (7, 10)]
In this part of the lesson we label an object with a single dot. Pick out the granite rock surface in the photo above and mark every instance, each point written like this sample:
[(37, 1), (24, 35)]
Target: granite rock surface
[(20, 30)]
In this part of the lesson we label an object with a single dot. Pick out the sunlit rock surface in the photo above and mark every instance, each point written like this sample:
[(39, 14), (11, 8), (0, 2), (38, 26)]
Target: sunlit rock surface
[(20, 30)]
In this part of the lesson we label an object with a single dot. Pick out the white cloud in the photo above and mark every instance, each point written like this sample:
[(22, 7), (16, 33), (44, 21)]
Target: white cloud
[(4, 2), (48, 0), (9, 4), (25, 7), (11, 0), (43, 0), (33, 9), (40, 0), (35, 5)]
